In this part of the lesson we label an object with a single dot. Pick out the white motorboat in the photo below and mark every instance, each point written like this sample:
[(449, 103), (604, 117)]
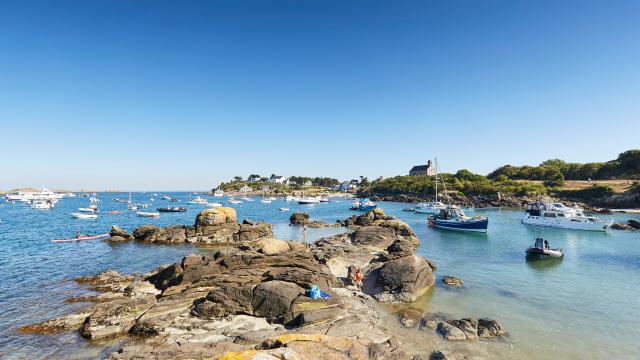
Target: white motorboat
[(89, 209), (218, 193), (284, 209), (324, 200), (214, 204), (246, 198), (558, 215), (27, 196), (429, 207), (148, 214), (198, 200), (70, 194), (308, 200), (266, 201), (273, 198), (42, 204), (291, 198), (234, 201), (84, 216)]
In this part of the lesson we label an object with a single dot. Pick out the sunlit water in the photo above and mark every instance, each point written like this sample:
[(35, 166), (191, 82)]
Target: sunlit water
[(586, 306)]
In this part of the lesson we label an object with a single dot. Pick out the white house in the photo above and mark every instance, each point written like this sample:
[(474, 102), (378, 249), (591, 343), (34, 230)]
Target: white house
[(254, 178), (308, 183), (277, 179), (245, 189)]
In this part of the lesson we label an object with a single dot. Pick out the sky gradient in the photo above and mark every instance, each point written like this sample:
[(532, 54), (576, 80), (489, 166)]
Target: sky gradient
[(155, 95)]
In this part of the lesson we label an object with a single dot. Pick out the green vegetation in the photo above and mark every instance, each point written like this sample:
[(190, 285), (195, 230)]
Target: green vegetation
[(626, 166), (463, 181), (590, 193)]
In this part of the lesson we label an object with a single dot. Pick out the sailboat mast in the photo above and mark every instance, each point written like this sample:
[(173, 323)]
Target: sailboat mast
[(435, 164)]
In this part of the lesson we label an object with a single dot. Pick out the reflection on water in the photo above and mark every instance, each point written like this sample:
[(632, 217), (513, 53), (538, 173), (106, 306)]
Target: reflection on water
[(542, 264)]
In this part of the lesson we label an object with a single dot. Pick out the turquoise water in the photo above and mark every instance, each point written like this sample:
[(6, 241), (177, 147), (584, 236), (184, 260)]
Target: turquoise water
[(586, 306)]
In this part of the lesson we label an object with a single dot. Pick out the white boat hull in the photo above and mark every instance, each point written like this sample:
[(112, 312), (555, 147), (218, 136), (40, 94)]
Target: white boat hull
[(84, 216), (567, 224)]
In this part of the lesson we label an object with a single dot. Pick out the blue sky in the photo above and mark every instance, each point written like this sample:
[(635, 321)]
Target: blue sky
[(181, 95)]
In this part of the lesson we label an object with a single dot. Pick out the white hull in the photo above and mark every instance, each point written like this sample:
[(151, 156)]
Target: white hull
[(426, 210), (458, 229), (148, 214), (214, 205), (567, 224), (84, 216)]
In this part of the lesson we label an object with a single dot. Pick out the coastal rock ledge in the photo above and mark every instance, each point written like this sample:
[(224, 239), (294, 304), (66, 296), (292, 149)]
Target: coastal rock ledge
[(251, 299)]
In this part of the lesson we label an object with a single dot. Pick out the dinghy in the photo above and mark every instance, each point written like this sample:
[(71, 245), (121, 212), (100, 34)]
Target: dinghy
[(148, 214), (84, 216), (541, 250), (284, 209), (82, 238)]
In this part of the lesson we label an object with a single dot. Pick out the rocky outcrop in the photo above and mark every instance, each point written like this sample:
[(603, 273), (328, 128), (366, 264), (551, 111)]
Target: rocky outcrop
[(401, 280), (470, 329), (634, 224), (452, 281), (304, 219), (118, 234)]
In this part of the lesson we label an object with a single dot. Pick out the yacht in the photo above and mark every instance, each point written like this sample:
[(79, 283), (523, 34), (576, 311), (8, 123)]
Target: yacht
[(197, 200), (557, 215), (42, 204), (27, 196), (308, 200), (218, 193), (452, 218)]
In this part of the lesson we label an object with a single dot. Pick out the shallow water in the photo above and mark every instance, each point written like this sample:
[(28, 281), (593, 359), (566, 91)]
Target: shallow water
[(585, 306)]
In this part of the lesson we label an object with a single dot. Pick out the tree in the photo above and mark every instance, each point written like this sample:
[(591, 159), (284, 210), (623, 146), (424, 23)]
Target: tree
[(237, 178), (556, 180)]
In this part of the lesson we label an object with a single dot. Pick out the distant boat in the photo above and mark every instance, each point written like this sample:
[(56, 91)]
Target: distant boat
[(246, 198), (171, 209), (541, 250), (42, 204), (130, 204), (234, 201), (266, 201), (114, 212), (324, 200), (148, 214), (84, 216), (218, 193), (429, 207), (367, 205), (198, 200), (452, 218), (70, 194), (214, 204), (308, 200), (82, 238), (284, 209)]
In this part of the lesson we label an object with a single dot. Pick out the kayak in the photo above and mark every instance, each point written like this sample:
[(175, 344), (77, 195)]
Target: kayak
[(81, 238)]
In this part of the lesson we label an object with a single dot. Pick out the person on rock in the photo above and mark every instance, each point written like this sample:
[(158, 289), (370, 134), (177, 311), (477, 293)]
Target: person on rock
[(357, 277)]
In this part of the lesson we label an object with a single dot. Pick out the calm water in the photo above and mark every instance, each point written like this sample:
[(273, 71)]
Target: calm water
[(586, 306)]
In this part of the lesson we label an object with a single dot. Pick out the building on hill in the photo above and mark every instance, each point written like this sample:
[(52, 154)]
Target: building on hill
[(254, 178), (277, 179), (423, 170), (246, 189)]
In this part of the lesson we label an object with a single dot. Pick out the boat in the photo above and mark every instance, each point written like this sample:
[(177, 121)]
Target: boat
[(266, 201), (284, 209), (70, 194), (42, 204), (130, 205), (114, 212), (148, 214), (429, 207), (89, 209), (214, 204), (165, 197), (27, 196), (84, 216), (367, 205), (171, 209), (557, 215), (453, 218), (306, 200), (218, 193), (291, 198), (541, 250), (246, 198), (197, 201), (324, 199), (234, 201), (82, 238)]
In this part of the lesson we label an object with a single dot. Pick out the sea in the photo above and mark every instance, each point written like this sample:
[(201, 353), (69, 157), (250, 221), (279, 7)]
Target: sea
[(586, 306)]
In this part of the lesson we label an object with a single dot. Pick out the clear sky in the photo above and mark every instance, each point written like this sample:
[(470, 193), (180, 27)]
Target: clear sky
[(184, 94)]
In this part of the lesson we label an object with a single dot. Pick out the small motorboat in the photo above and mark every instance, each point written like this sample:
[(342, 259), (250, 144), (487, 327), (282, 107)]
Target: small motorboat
[(148, 214), (90, 209), (284, 209), (542, 250), (246, 198), (324, 200), (308, 200), (171, 209), (234, 201), (452, 218), (84, 216), (198, 200), (408, 209), (214, 204), (266, 201), (365, 205)]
